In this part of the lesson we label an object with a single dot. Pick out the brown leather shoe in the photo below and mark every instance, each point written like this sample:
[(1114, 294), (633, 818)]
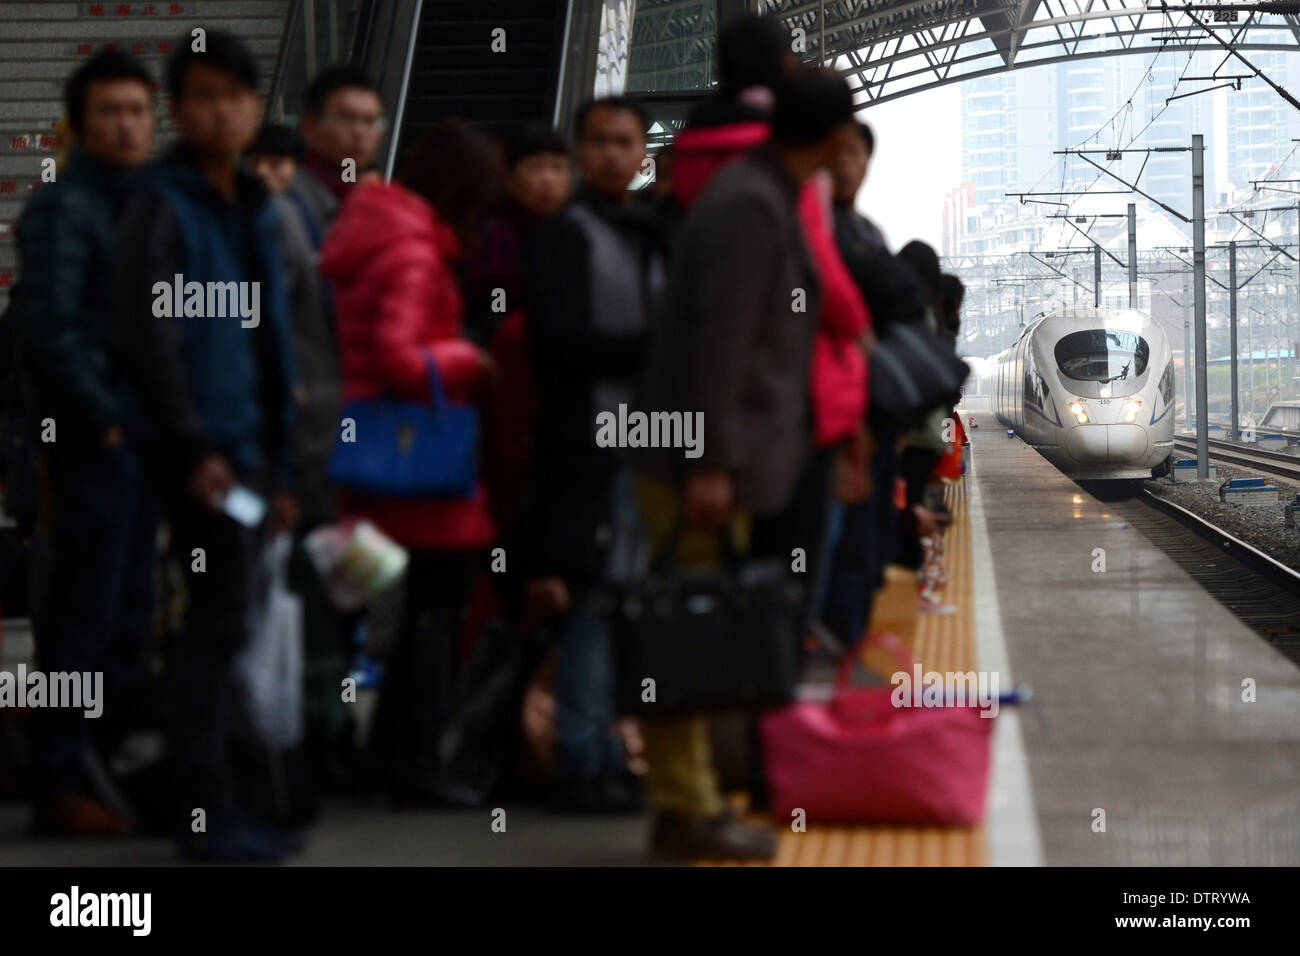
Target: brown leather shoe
[(727, 837), (76, 815)]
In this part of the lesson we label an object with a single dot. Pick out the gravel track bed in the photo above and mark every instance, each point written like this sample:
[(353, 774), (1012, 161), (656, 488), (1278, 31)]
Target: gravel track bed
[(1262, 527)]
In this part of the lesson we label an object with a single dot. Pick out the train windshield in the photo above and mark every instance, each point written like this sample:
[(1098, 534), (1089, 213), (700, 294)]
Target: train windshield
[(1102, 355)]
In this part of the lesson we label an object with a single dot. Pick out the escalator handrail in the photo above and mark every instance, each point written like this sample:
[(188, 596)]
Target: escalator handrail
[(396, 133), (292, 18)]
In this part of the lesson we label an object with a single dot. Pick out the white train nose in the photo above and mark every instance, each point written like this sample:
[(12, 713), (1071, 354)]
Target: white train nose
[(1109, 444)]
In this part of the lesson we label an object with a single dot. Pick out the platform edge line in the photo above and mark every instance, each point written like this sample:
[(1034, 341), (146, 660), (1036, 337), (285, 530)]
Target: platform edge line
[(1012, 824)]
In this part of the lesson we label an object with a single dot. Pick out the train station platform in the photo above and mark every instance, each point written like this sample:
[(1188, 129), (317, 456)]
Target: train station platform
[(1137, 747), (1138, 721)]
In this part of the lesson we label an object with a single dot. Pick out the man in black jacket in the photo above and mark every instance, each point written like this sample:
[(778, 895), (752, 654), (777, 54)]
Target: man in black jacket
[(594, 278), (855, 233), (216, 389), (98, 612), (863, 543)]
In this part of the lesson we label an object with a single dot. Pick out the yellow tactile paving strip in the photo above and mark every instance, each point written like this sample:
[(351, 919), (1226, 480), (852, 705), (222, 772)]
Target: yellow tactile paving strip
[(943, 643)]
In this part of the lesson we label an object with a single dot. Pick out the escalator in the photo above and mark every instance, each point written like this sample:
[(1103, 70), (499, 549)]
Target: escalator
[(494, 63), (491, 62)]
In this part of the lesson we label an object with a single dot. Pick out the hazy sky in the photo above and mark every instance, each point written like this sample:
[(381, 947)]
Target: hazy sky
[(917, 161)]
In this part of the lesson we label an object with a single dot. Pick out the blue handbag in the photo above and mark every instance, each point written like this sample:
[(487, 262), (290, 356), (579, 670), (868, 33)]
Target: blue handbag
[(409, 449)]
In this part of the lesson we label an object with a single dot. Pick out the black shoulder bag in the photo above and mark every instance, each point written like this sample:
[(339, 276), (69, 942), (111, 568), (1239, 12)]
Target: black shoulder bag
[(711, 637)]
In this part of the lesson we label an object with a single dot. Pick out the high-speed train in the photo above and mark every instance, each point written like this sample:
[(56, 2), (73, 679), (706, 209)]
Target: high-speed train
[(1092, 389)]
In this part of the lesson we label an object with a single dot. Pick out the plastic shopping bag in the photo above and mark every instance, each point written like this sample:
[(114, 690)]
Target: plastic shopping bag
[(271, 664), (356, 560)]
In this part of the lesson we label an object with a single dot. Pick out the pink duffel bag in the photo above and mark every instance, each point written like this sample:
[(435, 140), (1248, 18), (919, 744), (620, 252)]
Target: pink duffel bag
[(860, 759)]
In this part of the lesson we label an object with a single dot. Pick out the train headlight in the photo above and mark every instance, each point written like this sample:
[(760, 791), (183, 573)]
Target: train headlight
[(1081, 418), (1104, 391), (1131, 409), (1076, 409)]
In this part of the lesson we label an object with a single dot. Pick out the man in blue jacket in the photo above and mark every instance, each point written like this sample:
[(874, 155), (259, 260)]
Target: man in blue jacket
[(203, 317), (101, 523)]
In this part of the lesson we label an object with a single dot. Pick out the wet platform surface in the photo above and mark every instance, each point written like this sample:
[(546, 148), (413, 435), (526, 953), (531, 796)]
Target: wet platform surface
[(1138, 678)]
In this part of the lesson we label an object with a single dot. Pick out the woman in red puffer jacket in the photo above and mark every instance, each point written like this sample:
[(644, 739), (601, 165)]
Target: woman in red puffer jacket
[(391, 256)]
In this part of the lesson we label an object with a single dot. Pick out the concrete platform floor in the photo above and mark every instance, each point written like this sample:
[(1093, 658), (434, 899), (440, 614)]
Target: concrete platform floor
[(1138, 678), (358, 835)]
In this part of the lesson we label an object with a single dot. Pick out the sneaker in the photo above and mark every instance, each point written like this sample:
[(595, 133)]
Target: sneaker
[(931, 605), (726, 837), (936, 574), (76, 815)]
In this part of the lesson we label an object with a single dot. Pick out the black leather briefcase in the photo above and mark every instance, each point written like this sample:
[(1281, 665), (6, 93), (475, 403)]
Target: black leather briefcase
[(708, 639)]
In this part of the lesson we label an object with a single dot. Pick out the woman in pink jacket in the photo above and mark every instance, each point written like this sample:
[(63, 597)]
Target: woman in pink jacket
[(391, 258)]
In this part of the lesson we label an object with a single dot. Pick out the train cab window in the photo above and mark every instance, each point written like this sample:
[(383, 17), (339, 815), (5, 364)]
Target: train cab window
[(1102, 355)]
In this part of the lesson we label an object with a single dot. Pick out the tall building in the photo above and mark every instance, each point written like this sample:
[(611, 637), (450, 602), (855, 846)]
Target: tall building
[(1008, 132), (1260, 124), (1166, 123), (1013, 122)]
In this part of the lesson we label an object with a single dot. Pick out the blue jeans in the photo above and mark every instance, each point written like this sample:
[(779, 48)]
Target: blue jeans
[(863, 546), (586, 743), (847, 596)]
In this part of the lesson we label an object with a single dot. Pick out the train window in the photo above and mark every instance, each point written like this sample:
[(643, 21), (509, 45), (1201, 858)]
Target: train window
[(1167, 385), (1102, 355)]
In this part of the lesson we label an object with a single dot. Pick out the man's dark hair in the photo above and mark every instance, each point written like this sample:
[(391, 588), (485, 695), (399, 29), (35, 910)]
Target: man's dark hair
[(275, 139), (893, 290), (329, 81), (868, 137), (810, 104), (458, 170), (925, 263), (533, 140), (105, 65), (624, 103), (222, 51), (751, 52), (951, 293)]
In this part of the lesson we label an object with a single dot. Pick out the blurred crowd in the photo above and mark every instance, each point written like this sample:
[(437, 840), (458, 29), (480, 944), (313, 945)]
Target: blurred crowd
[(542, 280)]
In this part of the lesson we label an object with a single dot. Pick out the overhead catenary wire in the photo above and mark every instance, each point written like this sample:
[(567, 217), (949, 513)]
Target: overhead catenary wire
[(1125, 108), (1150, 122)]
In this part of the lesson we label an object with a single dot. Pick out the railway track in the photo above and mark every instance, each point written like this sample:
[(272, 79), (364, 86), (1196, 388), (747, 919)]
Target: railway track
[(1232, 453), (1263, 593)]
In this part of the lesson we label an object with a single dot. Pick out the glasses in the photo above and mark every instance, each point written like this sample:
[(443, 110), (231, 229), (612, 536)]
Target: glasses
[(374, 123)]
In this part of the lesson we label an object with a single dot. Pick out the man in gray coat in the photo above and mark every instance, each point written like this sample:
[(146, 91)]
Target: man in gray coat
[(737, 326), (318, 384), (734, 342)]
